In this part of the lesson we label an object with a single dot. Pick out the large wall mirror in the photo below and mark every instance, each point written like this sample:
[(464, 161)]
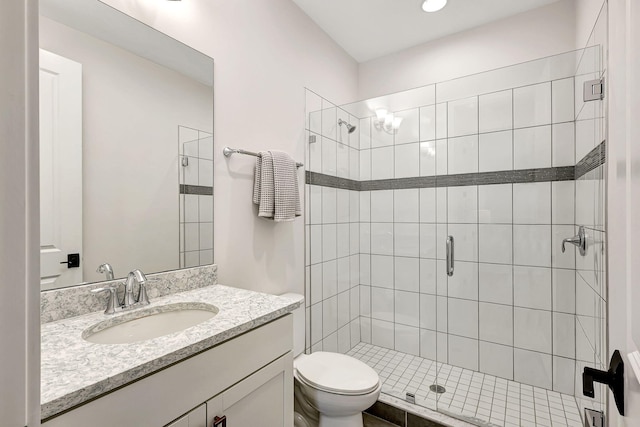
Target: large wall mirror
[(126, 147)]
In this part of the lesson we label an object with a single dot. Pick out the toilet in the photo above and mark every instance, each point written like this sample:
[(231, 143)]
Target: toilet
[(330, 389)]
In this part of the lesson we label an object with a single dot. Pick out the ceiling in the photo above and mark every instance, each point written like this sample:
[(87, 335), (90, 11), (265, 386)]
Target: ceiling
[(368, 29)]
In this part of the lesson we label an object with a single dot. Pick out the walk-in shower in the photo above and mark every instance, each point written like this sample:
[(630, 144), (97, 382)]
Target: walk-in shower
[(505, 164)]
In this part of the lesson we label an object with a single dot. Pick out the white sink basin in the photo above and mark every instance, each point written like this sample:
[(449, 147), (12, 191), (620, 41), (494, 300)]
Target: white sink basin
[(145, 324)]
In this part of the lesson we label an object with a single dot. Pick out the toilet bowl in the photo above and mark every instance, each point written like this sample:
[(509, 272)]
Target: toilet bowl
[(332, 389)]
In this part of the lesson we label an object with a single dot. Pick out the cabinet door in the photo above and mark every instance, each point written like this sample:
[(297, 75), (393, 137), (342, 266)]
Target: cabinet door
[(195, 418), (264, 398)]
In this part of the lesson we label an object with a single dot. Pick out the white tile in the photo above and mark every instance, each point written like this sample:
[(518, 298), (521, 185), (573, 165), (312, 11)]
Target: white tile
[(496, 360), (463, 317), (354, 164), (190, 148), (407, 274), (428, 123), (441, 157), (329, 205), (495, 204), (365, 133), (562, 202), (496, 283), (315, 204), (315, 153), (355, 332), (464, 283), (343, 309), (495, 243), (532, 203), (329, 157), (382, 206), (365, 206), (428, 344), (442, 316), (409, 130), (382, 333), (190, 173), (329, 120), (428, 276), (463, 352), (342, 206), (441, 205), (532, 368), (342, 160), (407, 160), (563, 144), (365, 165), (206, 235), (463, 117), (206, 257), (532, 329), (365, 329), (562, 100), (442, 346), (382, 238), (496, 323), (316, 284), (191, 208), (406, 205), (329, 316), (342, 244), (564, 335), (532, 105), (407, 339), (381, 271), (329, 279), (463, 154), (561, 259), (382, 304), (365, 269), (441, 120), (532, 245), (428, 158), (379, 137), (316, 323), (315, 244), (354, 238), (564, 290), (532, 287), (192, 259), (495, 151), (563, 375), (407, 308), (427, 205), (532, 147), (428, 312), (365, 300), (463, 204), (382, 163), (407, 240), (354, 270), (344, 339), (329, 242), (496, 111), (465, 241)]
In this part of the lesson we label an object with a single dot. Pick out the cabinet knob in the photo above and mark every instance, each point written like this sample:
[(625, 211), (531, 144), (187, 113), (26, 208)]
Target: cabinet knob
[(220, 421)]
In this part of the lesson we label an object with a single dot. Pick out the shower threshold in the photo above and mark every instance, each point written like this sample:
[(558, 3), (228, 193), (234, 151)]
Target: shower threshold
[(481, 399)]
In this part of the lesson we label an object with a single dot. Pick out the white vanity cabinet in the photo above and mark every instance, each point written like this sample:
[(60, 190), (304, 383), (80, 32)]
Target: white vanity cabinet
[(248, 378)]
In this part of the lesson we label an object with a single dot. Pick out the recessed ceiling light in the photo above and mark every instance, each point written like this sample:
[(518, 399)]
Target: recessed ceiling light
[(433, 5)]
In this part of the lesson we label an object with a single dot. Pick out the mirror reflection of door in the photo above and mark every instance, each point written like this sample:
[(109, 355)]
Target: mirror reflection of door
[(60, 169)]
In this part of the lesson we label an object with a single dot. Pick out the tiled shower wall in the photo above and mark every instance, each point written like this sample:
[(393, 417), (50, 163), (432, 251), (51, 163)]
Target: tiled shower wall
[(508, 309), (332, 230), (195, 165)]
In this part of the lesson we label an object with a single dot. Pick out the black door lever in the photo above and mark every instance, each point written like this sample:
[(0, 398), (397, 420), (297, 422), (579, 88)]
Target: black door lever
[(614, 378)]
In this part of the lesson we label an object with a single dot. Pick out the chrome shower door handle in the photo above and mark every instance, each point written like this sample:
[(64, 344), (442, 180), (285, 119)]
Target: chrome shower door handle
[(450, 255)]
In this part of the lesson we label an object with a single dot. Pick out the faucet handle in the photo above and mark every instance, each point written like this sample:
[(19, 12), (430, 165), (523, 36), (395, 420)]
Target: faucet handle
[(143, 298), (112, 302)]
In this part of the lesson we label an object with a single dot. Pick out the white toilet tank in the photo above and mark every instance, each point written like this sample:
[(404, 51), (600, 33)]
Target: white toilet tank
[(298, 325)]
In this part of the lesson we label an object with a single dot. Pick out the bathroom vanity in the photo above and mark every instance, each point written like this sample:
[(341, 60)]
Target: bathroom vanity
[(237, 365)]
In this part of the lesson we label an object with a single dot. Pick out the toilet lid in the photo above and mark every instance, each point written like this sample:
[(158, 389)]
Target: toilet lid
[(336, 373)]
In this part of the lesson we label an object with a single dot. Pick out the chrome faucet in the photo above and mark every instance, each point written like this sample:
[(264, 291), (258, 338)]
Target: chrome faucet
[(129, 301), (106, 269), (580, 241)]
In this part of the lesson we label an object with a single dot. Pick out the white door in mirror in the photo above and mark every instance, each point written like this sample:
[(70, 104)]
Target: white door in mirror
[(60, 169)]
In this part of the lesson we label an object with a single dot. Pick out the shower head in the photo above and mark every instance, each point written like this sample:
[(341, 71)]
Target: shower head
[(350, 127)]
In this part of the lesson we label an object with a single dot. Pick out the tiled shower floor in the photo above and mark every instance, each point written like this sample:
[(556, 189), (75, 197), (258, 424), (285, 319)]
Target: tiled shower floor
[(487, 398)]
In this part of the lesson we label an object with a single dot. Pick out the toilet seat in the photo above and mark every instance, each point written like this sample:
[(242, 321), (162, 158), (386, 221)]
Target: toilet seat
[(336, 373)]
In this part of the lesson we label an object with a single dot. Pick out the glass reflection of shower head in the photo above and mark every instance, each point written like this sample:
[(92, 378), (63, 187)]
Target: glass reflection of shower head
[(350, 127)]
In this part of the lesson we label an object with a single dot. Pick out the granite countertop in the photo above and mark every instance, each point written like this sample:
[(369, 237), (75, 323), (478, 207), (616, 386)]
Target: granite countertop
[(75, 371)]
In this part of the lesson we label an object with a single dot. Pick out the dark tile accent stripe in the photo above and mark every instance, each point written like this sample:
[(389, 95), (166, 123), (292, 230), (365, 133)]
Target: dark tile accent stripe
[(595, 158), (565, 173), (416, 421), (323, 180), (196, 189)]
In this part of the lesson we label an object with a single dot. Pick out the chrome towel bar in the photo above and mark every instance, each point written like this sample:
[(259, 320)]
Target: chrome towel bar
[(228, 152)]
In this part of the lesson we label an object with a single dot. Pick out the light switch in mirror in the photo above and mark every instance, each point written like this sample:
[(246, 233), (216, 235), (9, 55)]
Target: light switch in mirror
[(126, 146)]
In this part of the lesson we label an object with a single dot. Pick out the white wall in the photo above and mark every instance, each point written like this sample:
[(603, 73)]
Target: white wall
[(265, 52), (586, 15), (131, 111), (19, 222), (531, 35)]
